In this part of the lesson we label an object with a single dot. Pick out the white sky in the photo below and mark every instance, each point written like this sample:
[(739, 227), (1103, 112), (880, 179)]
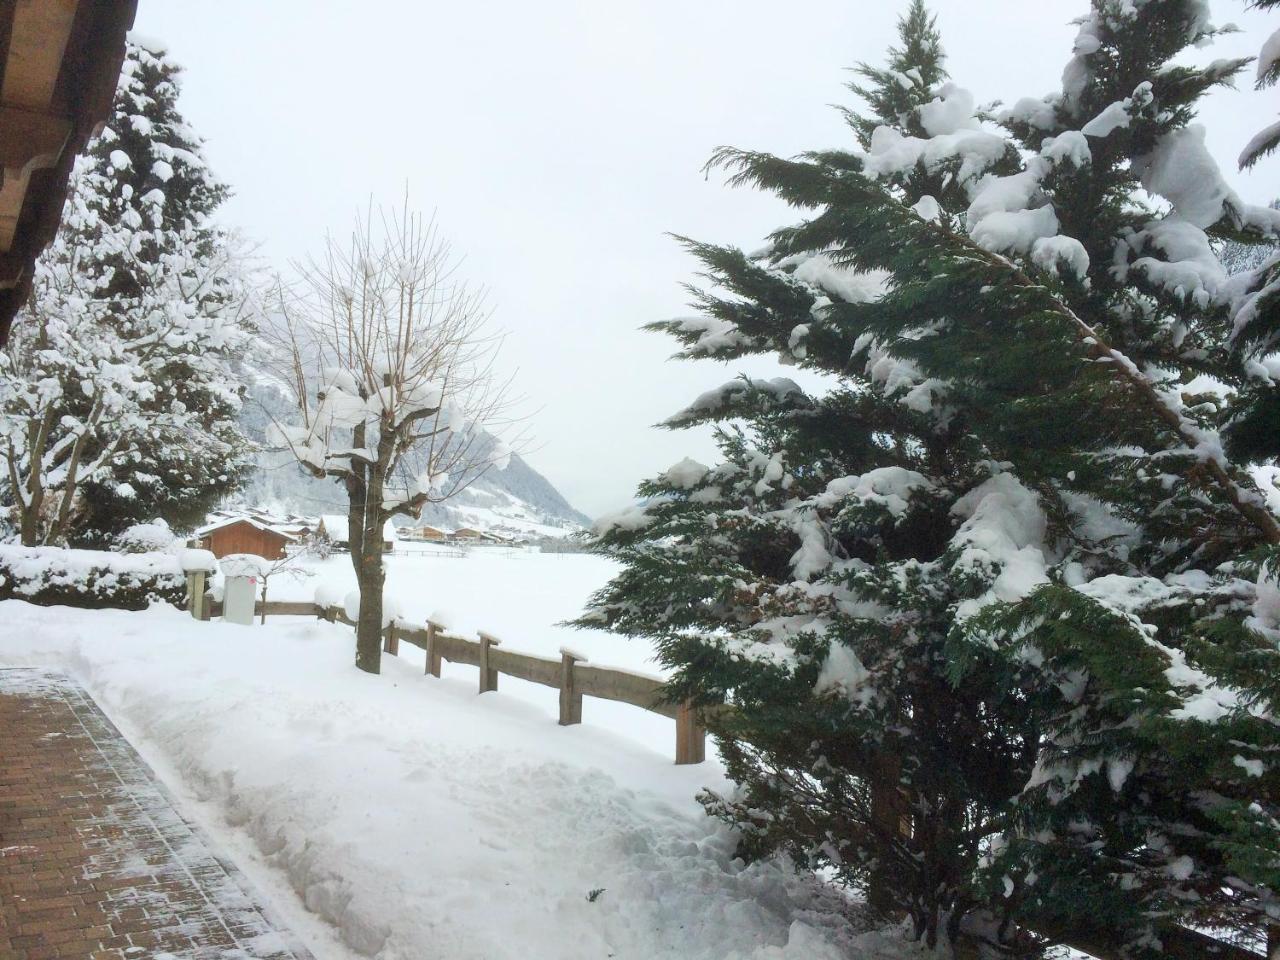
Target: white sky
[(559, 143)]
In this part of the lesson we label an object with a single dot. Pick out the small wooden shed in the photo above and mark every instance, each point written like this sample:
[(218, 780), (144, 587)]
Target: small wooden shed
[(244, 534)]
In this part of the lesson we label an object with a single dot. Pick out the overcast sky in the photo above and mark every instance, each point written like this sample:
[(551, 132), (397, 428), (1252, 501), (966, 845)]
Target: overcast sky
[(559, 142)]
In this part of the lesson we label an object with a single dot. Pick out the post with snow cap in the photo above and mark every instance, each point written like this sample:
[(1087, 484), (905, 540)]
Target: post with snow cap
[(488, 674), (691, 735), (433, 648), (197, 565), (392, 645), (242, 573), (570, 699)]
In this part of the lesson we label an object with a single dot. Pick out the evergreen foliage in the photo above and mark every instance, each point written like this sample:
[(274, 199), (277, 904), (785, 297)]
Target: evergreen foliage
[(163, 198), (137, 313), (994, 579), (1265, 76)]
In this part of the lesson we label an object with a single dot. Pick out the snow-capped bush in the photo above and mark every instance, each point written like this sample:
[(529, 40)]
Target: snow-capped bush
[(52, 576), (146, 538)]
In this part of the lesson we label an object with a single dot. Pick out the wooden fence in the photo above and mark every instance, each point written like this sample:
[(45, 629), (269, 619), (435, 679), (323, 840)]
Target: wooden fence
[(570, 673)]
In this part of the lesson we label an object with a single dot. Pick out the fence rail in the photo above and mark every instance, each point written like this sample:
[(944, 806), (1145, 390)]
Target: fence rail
[(569, 673)]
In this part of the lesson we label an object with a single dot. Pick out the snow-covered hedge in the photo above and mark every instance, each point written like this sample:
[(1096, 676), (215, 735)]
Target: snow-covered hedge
[(90, 578)]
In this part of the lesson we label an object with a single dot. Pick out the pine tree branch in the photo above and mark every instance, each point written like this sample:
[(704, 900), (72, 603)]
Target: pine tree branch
[(1244, 502)]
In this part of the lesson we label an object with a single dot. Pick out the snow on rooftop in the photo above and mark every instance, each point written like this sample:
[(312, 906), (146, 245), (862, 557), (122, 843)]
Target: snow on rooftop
[(288, 527)]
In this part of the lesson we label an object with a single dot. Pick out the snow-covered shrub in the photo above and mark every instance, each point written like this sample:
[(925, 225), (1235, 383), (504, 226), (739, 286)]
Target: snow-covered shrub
[(146, 538), (90, 578)]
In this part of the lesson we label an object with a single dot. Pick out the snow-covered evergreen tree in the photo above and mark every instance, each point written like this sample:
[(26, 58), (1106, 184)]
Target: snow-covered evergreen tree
[(125, 348), (990, 611)]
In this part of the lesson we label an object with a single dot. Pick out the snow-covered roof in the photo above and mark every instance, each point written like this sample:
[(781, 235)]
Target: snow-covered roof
[(290, 529), (335, 528)]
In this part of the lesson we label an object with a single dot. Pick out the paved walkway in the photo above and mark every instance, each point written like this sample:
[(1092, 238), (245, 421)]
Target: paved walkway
[(95, 862)]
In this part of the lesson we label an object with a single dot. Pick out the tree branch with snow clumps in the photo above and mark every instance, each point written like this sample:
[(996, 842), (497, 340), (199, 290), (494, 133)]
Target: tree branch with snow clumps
[(393, 372)]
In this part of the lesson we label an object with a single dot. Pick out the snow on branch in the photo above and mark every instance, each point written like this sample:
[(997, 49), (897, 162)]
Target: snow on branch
[(391, 365)]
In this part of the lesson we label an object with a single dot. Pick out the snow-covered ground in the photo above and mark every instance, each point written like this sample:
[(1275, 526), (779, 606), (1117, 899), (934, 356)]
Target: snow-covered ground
[(519, 596), (416, 818)]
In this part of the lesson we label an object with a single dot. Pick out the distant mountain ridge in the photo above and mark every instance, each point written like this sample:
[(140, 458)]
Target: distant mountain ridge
[(517, 499)]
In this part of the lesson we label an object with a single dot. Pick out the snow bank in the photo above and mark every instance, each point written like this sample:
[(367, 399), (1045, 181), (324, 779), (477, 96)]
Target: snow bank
[(419, 819)]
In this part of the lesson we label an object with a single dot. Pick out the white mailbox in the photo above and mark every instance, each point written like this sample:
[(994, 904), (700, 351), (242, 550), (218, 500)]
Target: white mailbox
[(243, 575)]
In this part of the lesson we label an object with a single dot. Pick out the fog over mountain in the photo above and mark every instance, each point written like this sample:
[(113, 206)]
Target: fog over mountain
[(517, 499)]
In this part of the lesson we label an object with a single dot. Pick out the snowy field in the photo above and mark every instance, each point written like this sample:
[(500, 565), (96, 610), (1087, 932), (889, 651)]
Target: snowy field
[(516, 595), (403, 817)]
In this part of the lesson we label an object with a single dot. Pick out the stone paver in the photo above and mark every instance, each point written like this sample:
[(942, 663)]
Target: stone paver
[(95, 861)]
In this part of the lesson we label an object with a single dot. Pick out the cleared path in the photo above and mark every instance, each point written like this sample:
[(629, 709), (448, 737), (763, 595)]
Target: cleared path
[(95, 861)]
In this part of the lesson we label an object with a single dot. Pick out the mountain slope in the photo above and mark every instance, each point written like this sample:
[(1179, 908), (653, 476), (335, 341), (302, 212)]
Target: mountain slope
[(517, 499)]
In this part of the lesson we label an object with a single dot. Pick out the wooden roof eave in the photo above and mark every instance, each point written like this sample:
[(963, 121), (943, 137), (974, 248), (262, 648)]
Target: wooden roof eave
[(59, 65)]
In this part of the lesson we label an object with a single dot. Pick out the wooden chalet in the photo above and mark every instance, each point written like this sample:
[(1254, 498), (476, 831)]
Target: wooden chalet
[(252, 532), (59, 64), (423, 533)]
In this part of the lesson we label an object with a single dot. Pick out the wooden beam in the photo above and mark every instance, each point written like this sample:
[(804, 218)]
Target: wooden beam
[(433, 650), (392, 640), (488, 673), (691, 737), (30, 140), (37, 43), (570, 698)]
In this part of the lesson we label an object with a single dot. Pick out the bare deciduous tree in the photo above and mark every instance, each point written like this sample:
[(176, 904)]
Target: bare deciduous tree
[(389, 357)]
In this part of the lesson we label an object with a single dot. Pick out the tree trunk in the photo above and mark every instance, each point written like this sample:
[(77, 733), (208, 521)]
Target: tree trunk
[(370, 576), (369, 569), (58, 535), (29, 529), (362, 487)]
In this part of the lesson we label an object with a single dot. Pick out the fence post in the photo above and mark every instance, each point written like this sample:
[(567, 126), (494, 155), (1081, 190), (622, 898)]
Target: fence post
[(392, 642), (195, 593), (570, 699), (433, 652), (691, 736), (488, 676)]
